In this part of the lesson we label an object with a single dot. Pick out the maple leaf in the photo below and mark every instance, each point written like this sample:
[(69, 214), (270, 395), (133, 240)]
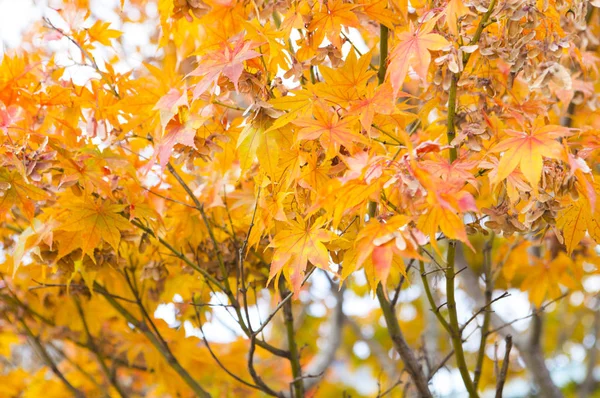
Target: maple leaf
[(30, 239), (544, 278), (298, 104), (101, 33), (577, 218), (16, 191), (379, 11), (331, 131), (455, 10), (378, 99), (412, 50), (445, 202), (296, 246), (527, 150), (330, 17), (277, 52), (456, 173), (344, 84), (181, 130), (87, 222), (178, 134), (168, 105), (227, 61), (380, 242), (9, 116), (256, 141)]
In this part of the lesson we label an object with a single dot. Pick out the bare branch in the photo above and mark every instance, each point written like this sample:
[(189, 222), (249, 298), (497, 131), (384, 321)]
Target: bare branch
[(324, 358), (440, 365), (37, 344), (504, 371), (100, 358), (406, 353), (532, 355)]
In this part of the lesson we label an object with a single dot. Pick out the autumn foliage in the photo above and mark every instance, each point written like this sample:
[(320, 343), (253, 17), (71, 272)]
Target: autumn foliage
[(269, 198)]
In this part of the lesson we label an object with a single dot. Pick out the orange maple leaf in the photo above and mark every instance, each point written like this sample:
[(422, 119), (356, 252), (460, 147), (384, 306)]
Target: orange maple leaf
[(87, 223), (413, 50), (331, 131), (228, 61), (378, 99), (330, 17), (381, 241), (527, 150), (296, 246), (379, 11)]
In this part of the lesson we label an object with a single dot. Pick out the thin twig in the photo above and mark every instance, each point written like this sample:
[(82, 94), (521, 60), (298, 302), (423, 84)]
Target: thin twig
[(504, 370), (288, 318), (35, 341), (441, 364), (111, 378), (532, 314), (489, 287), (212, 354), (141, 326), (484, 309)]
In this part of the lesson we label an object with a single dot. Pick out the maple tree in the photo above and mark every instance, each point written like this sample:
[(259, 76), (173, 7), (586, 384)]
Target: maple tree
[(271, 198)]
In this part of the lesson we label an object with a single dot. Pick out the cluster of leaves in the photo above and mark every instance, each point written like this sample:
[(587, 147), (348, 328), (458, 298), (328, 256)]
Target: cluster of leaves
[(266, 140)]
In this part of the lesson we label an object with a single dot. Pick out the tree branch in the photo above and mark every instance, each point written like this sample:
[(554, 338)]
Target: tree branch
[(37, 344), (142, 327), (587, 386), (324, 358), (531, 354), (288, 319), (434, 308), (504, 371), (401, 346), (455, 331), (489, 287), (111, 378)]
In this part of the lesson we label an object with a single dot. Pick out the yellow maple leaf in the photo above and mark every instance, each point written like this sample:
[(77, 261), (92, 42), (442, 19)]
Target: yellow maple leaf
[(527, 150), (101, 33), (88, 222), (255, 141), (298, 103), (345, 84), (296, 246), (18, 191), (575, 220), (454, 11), (545, 277)]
